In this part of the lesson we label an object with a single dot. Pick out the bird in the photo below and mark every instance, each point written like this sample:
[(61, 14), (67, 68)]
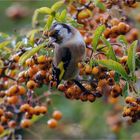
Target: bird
[(69, 50)]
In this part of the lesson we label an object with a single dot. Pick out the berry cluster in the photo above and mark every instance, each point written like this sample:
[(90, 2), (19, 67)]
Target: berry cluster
[(133, 108), (102, 84)]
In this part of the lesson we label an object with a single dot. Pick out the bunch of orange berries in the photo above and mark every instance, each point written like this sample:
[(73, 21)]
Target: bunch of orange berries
[(133, 108)]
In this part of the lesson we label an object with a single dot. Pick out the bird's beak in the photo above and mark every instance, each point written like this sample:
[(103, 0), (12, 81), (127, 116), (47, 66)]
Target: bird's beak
[(51, 41)]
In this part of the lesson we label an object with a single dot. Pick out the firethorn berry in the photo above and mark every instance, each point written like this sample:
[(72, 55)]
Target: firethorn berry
[(15, 57), (13, 99), (102, 83), (28, 115), (57, 115), (107, 32), (12, 90), (114, 21), (29, 62), (52, 123), (91, 97), (1, 112), (82, 1), (88, 39), (25, 108), (116, 90), (41, 59), (88, 69), (61, 87), (84, 14), (25, 123), (12, 124), (43, 109), (31, 84), (3, 120), (21, 90), (123, 27), (95, 70), (130, 99), (9, 115), (83, 97), (114, 31), (37, 110), (1, 129), (110, 81)]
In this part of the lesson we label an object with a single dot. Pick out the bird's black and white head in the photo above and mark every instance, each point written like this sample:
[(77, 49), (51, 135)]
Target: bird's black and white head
[(60, 33)]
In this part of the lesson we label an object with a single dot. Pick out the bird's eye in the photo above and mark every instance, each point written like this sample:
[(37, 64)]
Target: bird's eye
[(56, 32)]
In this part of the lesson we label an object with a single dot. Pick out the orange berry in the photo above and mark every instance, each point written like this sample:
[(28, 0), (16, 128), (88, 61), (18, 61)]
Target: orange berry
[(41, 59), (1, 112), (84, 14), (52, 123), (129, 99), (95, 70), (24, 108), (15, 57), (22, 90), (1, 129), (3, 119), (57, 115), (88, 69), (43, 109), (31, 84), (12, 90), (13, 99), (9, 114), (12, 124), (61, 87), (123, 27), (115, 21), (114, 31), (25, 123), (37, 110), (83, 97), (107, 32), (91, 98), (29, 62), (117, 89)]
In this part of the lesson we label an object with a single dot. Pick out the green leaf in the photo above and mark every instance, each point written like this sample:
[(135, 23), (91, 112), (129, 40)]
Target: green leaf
[(63, 15), (111, 53), (113, 65), (30, 53), (49, 22), (36, 118), (57, 6), (43, 10), (4, 35), (31, 36), (6, 132), (122, 39), (131, 61), (97, 34), (125, 90), (100, 5), (19, 45), (4, 43)]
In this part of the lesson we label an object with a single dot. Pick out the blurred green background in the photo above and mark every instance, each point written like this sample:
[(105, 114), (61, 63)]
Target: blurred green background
[(81, 120)]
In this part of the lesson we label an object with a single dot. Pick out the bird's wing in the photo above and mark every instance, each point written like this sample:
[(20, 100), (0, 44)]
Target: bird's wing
[(62, 59)]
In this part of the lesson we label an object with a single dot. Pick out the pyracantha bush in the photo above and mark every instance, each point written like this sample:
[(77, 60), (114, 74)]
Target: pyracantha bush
[(110, 70)]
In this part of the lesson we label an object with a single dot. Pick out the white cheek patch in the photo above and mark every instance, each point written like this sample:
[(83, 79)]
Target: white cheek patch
[(63, 32), (58, 27)]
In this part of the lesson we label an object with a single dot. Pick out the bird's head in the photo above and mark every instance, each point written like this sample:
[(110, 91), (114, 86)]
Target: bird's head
[(60, 33)]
